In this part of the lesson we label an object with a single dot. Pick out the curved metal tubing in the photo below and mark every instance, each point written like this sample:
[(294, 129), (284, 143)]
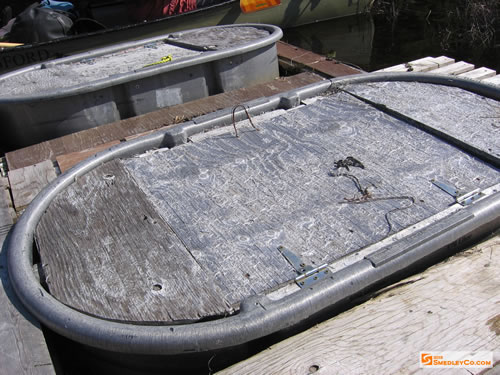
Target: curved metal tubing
[(258, 315), (275, 34)]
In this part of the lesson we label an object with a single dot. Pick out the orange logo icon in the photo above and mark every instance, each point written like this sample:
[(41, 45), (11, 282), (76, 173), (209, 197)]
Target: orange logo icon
[(426, 359)]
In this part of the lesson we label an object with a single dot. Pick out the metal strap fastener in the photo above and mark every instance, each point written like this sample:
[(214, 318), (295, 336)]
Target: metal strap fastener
[(308, 274), (463, 199)]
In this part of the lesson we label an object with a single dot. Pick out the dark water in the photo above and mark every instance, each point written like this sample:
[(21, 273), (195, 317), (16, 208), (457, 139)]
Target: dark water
[(404, 30)]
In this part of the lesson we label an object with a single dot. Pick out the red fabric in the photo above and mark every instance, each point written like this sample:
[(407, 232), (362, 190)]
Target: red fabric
[(154, 9), (178, 6)]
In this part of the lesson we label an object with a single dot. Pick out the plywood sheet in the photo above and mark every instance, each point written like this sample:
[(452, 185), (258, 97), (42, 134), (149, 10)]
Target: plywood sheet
[(462, 115), (105, 251), (234, 201)]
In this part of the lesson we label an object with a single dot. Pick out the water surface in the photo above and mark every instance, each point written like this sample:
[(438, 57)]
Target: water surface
[(411, 29)]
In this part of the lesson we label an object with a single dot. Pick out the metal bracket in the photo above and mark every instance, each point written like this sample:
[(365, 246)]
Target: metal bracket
[(308, 274), (469, 198), (463, 199)]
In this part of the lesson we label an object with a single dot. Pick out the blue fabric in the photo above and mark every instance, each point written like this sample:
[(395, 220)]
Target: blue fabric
[(59, 5)]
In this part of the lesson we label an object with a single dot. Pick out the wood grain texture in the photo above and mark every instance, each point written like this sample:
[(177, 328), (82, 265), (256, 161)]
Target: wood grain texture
[(425, 64), (7, 213), (454, 69), (451, 306), (94, 137), (67, 161), (465, 116), (226, 204), (299, 58), (234, 201), (479, 74), (27, 182), (104, 250), (22, 345)]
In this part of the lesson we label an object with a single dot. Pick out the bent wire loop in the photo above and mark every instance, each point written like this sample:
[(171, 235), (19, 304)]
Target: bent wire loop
[(248, 116)]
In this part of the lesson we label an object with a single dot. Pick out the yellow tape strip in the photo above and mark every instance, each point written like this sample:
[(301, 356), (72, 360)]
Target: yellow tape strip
[(163, 60)]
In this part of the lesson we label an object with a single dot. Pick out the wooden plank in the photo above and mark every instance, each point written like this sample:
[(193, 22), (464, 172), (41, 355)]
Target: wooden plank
[(27, 182), (424, 64), (67, 161), (7, 213), (479, 74), (22, 345), (454, 69), (298, 58), (107, 252), (90, 138), (451, 306), (443, 61), (131, 137), (493, 80), (427, 64)]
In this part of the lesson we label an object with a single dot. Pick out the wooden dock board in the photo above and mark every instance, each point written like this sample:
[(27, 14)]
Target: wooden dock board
[(292, 57), (451, 306), (493, 80), (27, 182), (424, 64), (7, 213), (447, 65), (454, 69), (120, 130), (479, 74), (22, 344), (231, 203)]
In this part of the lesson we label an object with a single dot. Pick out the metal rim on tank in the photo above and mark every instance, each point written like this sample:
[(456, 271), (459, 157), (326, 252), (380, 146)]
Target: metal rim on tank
[(258, 315)]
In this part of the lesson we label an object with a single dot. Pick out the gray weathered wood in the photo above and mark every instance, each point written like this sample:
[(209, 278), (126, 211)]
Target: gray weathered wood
[(104, 250), (7, 213), (27, 182), (460, 114), (234, 200), (22, 345)]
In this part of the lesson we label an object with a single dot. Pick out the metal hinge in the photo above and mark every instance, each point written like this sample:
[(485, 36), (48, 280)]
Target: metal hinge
[(308, 274), (463, 199)]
